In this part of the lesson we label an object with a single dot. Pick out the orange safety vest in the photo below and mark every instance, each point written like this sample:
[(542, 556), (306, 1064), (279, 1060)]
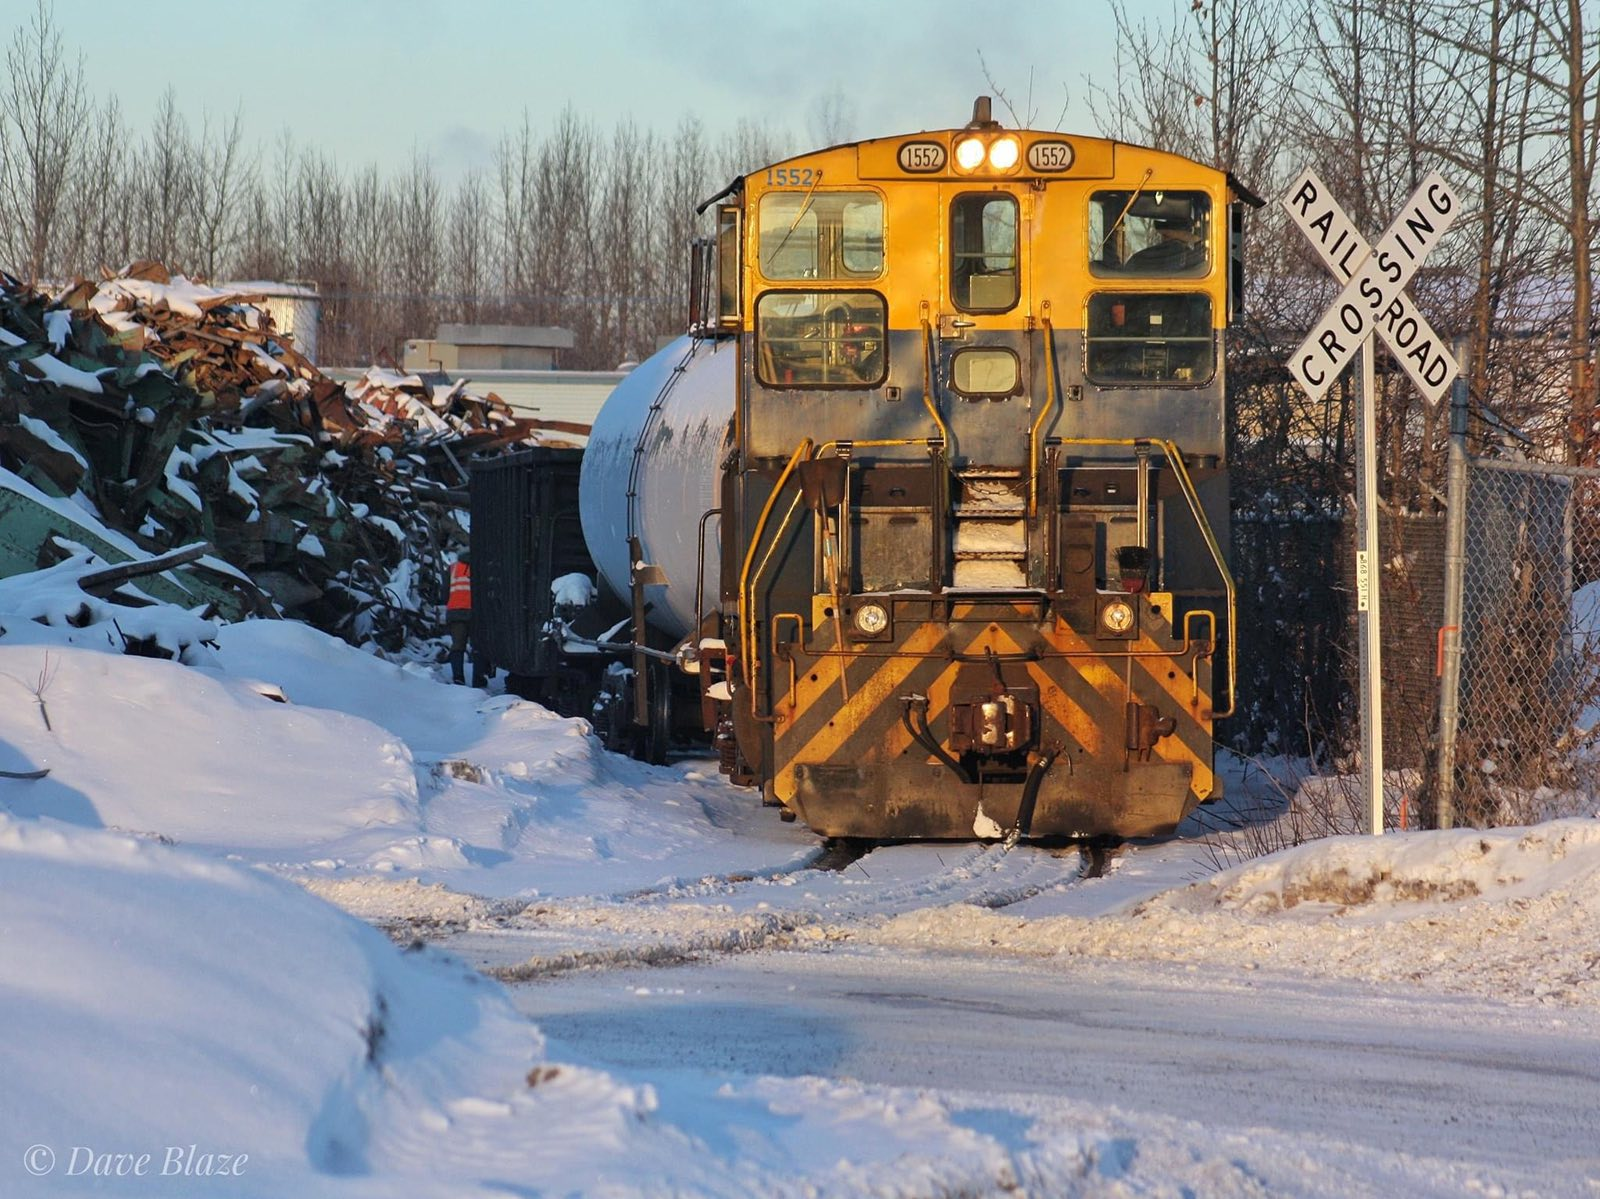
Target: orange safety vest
[(460, 588)]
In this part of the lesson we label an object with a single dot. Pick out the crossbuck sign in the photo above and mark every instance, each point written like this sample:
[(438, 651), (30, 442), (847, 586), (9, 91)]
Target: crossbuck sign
[(1373, 299)]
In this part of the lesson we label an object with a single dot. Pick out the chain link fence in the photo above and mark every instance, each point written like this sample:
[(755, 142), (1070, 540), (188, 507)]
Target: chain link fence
[(1520, 678)]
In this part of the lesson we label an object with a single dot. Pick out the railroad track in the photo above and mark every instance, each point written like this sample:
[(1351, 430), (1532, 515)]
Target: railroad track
[(811, 903)]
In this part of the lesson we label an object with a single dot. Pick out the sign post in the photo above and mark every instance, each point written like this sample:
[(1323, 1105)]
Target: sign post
[(1369, 574), (1372, 300)]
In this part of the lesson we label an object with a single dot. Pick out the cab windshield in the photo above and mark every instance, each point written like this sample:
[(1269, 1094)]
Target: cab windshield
[(821, 235)]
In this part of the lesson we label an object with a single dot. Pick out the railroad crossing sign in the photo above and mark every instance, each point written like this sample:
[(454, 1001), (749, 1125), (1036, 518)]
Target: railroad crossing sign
[(1373, 298)]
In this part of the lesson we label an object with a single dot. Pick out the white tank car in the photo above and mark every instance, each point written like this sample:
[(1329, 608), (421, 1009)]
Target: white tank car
[(676, 479)]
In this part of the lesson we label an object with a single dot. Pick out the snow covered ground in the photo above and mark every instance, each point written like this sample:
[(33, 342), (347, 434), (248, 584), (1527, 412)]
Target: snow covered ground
[(167, 984)]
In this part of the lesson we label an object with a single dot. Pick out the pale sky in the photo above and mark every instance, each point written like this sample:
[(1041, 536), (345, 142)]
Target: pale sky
[(368, 80)]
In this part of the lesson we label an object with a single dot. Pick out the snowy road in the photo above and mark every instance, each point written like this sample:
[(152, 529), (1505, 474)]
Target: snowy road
[(1209, 1033), (1416, 1075)]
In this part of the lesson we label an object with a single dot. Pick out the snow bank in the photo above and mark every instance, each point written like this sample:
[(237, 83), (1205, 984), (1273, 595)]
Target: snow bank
[(154, 747), (1509, 913), (52, 598), (226, 1024), (284, 746), (315, 670), (514, 799)]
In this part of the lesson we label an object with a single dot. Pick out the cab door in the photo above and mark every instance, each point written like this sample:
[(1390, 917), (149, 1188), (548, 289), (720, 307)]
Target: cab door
[(983, 348), (985, 360)]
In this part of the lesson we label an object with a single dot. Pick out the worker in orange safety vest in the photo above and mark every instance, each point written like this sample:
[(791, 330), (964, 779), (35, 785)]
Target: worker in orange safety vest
[(458, 618)]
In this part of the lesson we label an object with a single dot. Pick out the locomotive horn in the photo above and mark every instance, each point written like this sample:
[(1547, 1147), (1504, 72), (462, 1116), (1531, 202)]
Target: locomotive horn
[(982, 114)]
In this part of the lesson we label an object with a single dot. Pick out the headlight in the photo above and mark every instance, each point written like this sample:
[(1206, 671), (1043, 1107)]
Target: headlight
[(1004, 153), (1117, 617), (969, 153), (871, 619)]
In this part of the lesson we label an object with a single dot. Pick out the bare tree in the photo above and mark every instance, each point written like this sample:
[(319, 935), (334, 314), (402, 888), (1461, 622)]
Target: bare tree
[(748, 146), (417, 246), (99, 208), (221, 174), (516, 169), (623, 240), (1027, 116), (1567, 73), (281, 217), (166, 184), (467, 263), (362, 323), (1529, 101), (562, 245), (44, 110), (831, 119), (319, 217), (688, 184), (1155, 96)]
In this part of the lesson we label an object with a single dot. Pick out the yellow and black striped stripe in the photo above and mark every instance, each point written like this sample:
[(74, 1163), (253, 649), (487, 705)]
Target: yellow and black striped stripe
[(1083, 685)]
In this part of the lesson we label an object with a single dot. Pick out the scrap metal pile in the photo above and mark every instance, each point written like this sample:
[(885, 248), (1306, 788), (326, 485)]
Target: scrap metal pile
[(172, 413)]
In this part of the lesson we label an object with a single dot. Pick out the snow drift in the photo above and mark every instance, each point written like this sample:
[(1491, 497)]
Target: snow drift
[(228, 1025)]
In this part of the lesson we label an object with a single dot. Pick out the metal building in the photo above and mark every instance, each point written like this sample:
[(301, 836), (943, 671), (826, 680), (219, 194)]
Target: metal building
[(460, 348)]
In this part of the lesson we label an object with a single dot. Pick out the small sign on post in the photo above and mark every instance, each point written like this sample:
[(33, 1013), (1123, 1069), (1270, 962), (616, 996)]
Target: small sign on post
[(1372, 301)]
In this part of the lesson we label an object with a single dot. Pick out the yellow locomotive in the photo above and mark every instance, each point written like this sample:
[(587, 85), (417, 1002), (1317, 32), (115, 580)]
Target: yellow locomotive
[(932, 503)]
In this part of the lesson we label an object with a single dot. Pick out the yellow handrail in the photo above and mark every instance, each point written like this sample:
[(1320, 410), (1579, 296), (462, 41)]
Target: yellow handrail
[(868, 441), (746, 633), (927, 381), (800, 634), (1050, 406), (1210, 618), (1181, 471)]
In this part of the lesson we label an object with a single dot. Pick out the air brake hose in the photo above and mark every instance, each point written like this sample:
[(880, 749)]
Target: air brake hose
[(1030, 790), (924, 736)]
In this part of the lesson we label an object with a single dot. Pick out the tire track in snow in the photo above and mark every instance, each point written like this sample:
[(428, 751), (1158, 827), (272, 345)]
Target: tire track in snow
[(731, 914), (746, 936)]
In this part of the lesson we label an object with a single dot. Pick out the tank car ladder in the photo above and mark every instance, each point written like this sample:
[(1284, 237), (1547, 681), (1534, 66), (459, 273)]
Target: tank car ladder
[(652, 711), (647, 426)]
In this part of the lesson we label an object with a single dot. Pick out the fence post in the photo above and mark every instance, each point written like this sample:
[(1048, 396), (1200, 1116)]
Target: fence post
[(1455, 540)]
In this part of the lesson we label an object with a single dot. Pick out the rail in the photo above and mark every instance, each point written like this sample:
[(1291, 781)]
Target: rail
[(700, 570), (928, 375)]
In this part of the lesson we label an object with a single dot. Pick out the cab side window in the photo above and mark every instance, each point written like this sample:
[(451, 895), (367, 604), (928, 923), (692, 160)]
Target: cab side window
[(1138, 338), (983, 253), (1150, 234)]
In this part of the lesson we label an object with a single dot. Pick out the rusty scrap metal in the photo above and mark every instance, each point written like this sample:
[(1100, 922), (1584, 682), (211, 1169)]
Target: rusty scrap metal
[(178, 414), (99, 582)]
